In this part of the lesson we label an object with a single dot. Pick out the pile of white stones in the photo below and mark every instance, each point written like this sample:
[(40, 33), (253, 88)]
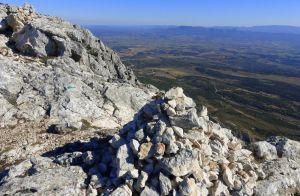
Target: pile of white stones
[(169, 149)]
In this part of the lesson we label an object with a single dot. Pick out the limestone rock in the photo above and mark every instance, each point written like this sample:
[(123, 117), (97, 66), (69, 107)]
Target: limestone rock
[(182, 163), (141, 181), (160, 149), (265, 150), (146, 150), (187, 120), (168, 136), (134, 173), (160, 127), (165, 184), (196, 135), (172, 148), (33, 42), (286, 147), (69, 158), (172, 103), (40, 176), (71, 77), (283, 178), (124, 160), (174, 93), (178, 131), (91, 191), (188, 102), (149, 191), (150, 156), (220, 189), (116, 141), (122, 191), (227, 177), (61, 78), (188, 187), (134, 145), (139, 135), (170, 111), (203, 112)]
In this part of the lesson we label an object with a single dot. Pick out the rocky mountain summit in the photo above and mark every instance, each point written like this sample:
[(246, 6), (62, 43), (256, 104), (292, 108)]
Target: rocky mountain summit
[(51, 67), (63, 96)]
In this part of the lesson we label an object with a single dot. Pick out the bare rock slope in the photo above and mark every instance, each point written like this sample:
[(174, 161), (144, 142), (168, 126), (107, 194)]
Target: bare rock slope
[(61, 77), (51, 67)]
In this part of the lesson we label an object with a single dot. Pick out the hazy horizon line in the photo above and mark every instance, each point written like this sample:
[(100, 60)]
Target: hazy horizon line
[(166, 25)]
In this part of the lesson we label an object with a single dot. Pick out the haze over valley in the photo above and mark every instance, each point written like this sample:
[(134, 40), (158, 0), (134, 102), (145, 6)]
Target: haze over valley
[(248, 76)]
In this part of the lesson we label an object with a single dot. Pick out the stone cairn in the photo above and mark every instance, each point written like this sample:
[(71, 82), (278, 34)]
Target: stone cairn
[(169, 150)]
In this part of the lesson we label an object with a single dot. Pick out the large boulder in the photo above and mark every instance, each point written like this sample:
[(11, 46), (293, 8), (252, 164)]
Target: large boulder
[(32, 42), (283, 178)]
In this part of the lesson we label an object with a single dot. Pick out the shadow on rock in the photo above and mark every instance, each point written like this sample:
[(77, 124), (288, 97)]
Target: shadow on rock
[(168, 148)]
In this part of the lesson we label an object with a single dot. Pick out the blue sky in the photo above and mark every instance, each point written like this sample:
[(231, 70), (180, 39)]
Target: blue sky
[(172, 12)]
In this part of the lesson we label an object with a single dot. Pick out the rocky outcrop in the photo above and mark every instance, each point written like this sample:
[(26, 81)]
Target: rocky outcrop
[(265, 150), (148, 157), (40, 176), (51, 68), (282, 175), (59, 74)]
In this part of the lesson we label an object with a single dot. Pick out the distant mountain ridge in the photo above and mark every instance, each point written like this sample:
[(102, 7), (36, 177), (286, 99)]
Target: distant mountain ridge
[(273, 29), (285, 29)]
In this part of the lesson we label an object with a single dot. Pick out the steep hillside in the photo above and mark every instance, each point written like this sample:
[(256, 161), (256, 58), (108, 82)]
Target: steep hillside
[(57, 77), (76, 121), (235, 73)]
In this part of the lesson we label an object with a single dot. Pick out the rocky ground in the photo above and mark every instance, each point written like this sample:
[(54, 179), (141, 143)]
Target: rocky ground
[(57, 77), (75, 121), (30, 138)]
